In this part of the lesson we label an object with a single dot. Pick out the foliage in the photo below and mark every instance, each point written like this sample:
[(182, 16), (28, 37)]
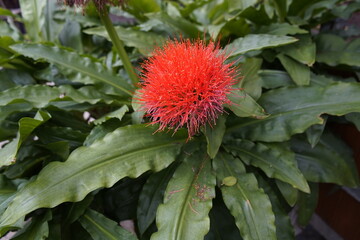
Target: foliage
[(78, 156)]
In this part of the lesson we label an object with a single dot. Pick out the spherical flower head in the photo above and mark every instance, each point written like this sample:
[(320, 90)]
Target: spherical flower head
[(185, 84)]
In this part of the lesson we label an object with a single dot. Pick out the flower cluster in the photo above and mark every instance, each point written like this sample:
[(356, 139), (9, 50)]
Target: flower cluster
[(186, 84)]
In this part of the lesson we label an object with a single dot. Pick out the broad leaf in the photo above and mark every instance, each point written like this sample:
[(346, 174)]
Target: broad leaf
[(73, 61), (103, 228), (214, 136), (247, 202), (187, 201), (253, 42), (288, 192), (293, 110), (145, 42), (276, 160), (274, 79), (127, 151), (26, 127), (354, 118), (152, 196), (299, 73), (333, 50), (32, 12), (281, 29), (307, 204), (304, 51), (329, 161), (36, 228), (284, 228), (245, 106), (251, 81), (119, 114)]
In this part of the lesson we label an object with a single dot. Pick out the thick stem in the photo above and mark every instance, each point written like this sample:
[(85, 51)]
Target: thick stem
[(118, 44)]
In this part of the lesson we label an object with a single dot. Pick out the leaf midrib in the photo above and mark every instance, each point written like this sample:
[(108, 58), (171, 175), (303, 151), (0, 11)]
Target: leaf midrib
[(107, 233)]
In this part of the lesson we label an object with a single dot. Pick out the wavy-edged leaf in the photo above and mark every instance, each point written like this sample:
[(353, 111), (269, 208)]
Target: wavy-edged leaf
[(36, 228), (32, 12), (127, 151), (251, 81), (304, 51), (333, 50), (245, 106), (298, 72), (293, 110), (247, 202), (281, 29), (41, 95), (276, 160), (103, 228), (307, 204), (74, 62), (152, 196), (214, 136), (354, 118), (253, 42), (284, 228), (187, 201), (119, 114), (289, 193), (145, 42), (275, 78), (26, 127), (329, 161)]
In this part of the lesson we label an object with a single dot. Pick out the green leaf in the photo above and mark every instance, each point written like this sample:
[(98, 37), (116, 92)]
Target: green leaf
[(333, 50), (127, 151), (37, 228), (41, 95), (274, 79), (314, 132), (32, 12), (281, 29), (187, 201), (276, 160), (247, 202), (145, 42), (152, 196), (299, 73), (330, 161), (295, 109), (70, 36), (103, 228), (253, 42), (251, 81), (26, 127), (281, 8), (245, 106), (214, 136), (222, 223), (307, 204), (288, 192), (354, 118), (304, 51), (284, 228), (74, 62), (119, 114)]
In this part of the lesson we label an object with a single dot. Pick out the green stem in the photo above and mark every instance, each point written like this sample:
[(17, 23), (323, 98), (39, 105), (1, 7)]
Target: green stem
[(118, 44)]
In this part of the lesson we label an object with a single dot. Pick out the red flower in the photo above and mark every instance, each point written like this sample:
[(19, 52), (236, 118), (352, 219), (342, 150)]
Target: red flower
[(186, 84)]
